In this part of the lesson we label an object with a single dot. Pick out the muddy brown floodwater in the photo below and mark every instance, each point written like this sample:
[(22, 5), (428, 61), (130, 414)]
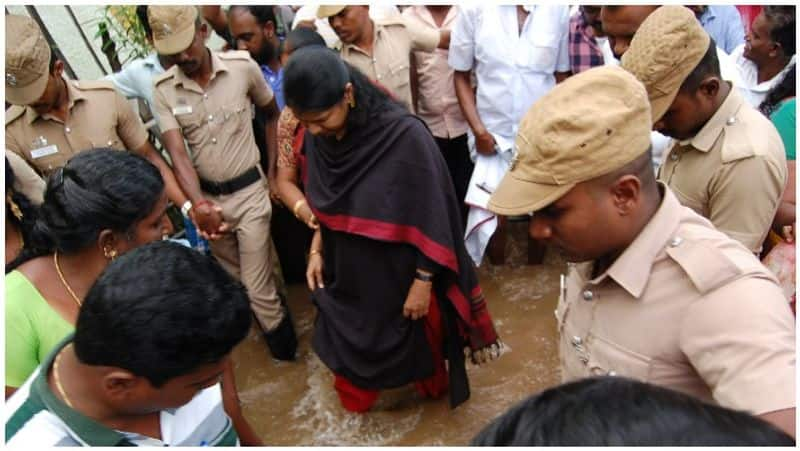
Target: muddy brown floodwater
[(294, 403)]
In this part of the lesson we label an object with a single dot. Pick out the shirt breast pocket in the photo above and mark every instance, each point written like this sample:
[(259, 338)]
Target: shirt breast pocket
[(193, 125), (235, 116), (540, 55), (611, 359), (396, 77)]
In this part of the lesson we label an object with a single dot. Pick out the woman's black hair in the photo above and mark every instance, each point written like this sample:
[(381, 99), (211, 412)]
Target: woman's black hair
[(314, 80), (784, 89), (21, 205), (95, 190)]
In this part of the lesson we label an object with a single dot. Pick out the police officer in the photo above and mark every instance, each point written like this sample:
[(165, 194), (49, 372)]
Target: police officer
[(652, 290), (726, 161), (205, 98), (381, 49), (54, 118)]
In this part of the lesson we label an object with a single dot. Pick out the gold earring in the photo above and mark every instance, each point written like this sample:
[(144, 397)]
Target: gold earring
[(352, 102), (110, 254), (14, 207)]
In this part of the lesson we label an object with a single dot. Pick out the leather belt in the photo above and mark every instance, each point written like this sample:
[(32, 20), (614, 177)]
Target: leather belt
[(231, 186)]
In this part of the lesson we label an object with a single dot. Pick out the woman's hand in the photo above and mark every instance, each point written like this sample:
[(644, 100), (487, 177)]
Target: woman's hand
[(314, 270), (418, 300)]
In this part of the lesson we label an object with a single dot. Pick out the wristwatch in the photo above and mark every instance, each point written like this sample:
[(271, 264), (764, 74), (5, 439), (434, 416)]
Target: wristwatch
[(185, 208)]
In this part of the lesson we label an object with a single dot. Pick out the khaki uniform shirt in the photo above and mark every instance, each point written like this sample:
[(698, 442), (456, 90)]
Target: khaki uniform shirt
[(26, 180), (732, 172), (215, 121), (685, 307), (389, 64), (98, 117)]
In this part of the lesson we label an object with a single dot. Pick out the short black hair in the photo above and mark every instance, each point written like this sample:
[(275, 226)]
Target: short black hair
[(616, 411), (262, 13), (708, 66), (781, 19), (314, 80), (302, 37), (161, 311), (141, 14)]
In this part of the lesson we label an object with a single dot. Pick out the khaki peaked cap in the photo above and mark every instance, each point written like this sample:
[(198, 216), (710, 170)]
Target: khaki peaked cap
[(27, 60), (664, 51), (173, 27), (591, 124)]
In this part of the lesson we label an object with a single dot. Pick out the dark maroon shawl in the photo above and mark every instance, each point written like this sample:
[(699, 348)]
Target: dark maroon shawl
[(388, 181)]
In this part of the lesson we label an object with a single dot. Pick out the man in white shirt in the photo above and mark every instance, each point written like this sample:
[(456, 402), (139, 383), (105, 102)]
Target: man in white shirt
[(767, 54), (517, 54)]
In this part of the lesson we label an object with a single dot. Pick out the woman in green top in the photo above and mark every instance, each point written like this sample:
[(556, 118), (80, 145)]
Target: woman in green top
[(779, 106), (101, 204)]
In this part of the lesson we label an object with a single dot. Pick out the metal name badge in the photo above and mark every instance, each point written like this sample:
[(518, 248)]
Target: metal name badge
[(44, 151), (181, 110)]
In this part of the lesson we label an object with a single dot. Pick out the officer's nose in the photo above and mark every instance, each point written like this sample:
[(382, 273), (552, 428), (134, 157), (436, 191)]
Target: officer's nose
[(240, 45), (539, 228)]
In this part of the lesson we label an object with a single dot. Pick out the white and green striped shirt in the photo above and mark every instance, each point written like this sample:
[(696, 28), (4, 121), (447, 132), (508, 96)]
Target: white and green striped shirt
[(36, 418)]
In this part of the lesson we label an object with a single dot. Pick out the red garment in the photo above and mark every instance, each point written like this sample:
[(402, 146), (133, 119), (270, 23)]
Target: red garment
[(749, 13), (360, 400)]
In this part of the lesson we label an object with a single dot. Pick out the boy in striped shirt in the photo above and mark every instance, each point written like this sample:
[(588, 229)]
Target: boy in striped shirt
[(144, 364)]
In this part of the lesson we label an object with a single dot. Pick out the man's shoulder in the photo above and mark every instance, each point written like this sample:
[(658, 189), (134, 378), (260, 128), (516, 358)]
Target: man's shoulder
[(709, 258), (748, 133), (95, 86), (30, 424), (13, 113), (235, 56), (162, 80)]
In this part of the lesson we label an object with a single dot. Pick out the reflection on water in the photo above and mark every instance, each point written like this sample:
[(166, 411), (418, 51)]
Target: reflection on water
[(295, 403)]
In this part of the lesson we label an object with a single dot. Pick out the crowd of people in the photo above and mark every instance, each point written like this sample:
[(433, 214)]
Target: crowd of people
[(377, 154)]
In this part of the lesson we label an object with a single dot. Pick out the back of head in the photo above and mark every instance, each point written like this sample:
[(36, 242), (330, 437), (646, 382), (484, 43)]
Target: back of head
[(95, 190), (781, 19), (665, 50), (614, 411), (302, 37), (161, 311)]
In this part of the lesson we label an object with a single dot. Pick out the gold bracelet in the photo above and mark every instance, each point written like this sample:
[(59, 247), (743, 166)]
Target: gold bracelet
[(315, 252), (297, 206)]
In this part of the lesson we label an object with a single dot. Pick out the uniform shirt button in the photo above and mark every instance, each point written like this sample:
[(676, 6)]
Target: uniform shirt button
[(67, 129), (588, 295), (210, 117), (674, 157), (731, 120), (379, 77), (675, 242), (205, 96), (612, 373), (109, 143), (214, 140), (576, 341)]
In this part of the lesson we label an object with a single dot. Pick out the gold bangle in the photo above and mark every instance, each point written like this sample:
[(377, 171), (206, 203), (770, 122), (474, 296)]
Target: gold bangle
[(297, 206), (315, 252)]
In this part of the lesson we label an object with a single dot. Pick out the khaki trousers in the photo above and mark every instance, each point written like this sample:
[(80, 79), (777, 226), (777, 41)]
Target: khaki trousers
[(247, 252)]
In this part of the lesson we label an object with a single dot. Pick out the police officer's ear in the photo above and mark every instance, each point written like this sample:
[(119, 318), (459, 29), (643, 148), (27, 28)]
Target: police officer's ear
[(268, 29), (709, 87), (626, 194), (58, 68)]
